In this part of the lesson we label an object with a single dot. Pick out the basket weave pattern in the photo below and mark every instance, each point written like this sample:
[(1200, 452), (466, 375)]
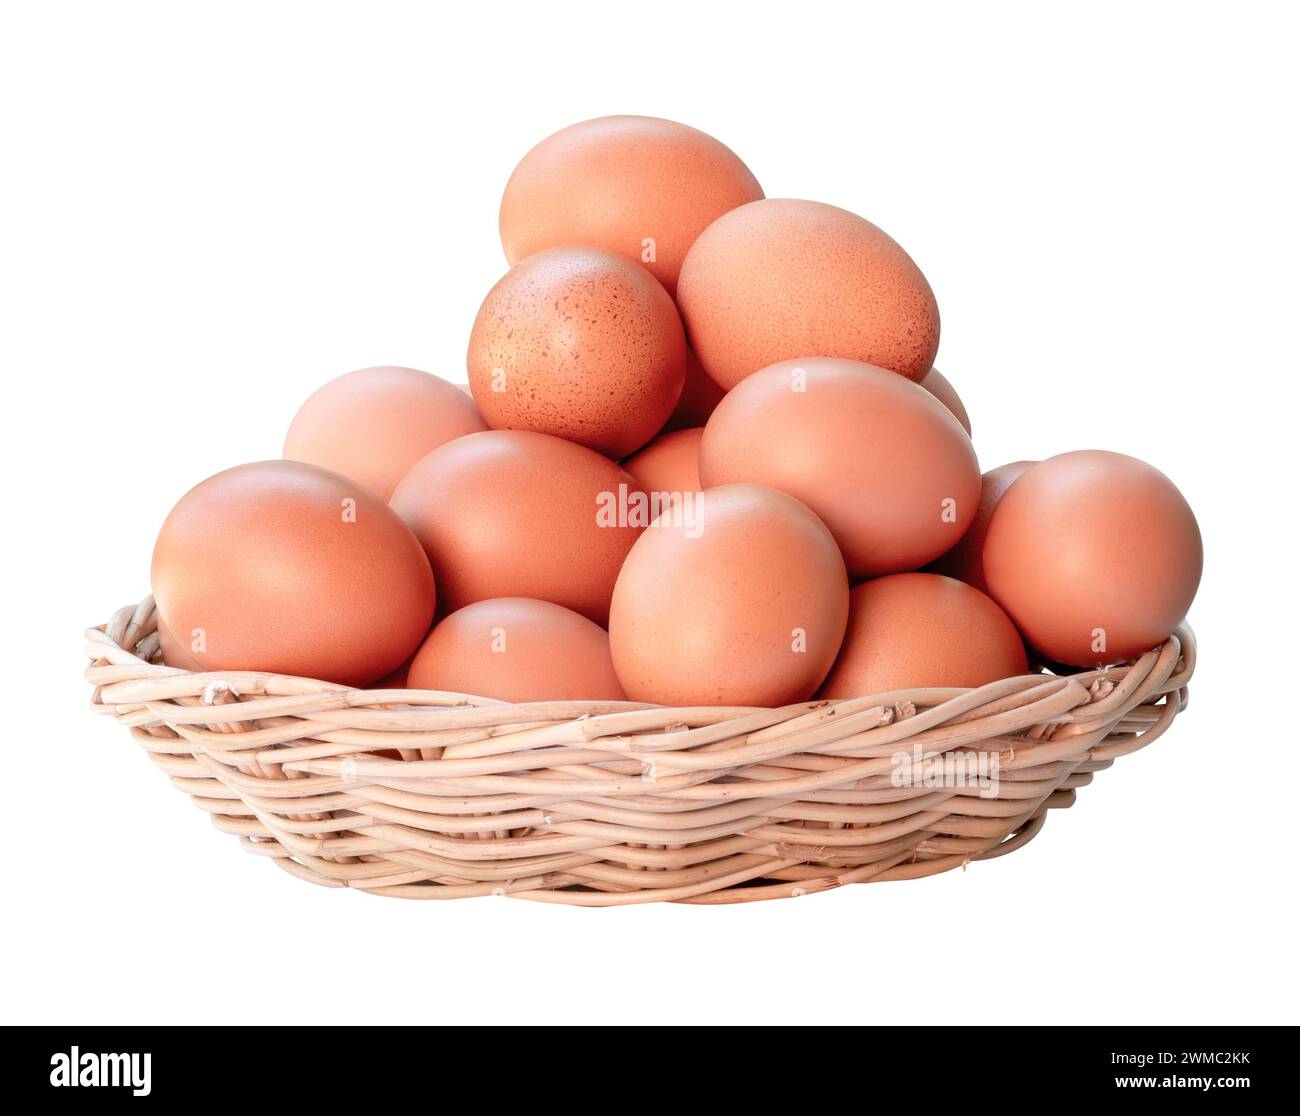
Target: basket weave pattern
[(440, 796)]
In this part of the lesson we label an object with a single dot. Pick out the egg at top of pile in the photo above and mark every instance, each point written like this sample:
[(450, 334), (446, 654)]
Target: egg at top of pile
[(638, 186)]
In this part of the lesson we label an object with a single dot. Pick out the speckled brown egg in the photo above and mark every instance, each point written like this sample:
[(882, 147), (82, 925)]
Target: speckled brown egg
[(516, 649), (742, 603), (671, 463), (1096, 556), (637, 186), (782, 278), (914, 630), (965, 561), (373, 424), (285, 567), (513, 513), (884, 464), (936, 383), (581, 344)]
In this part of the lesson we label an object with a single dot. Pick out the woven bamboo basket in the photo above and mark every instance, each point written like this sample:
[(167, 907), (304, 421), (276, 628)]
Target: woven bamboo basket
[(442, 796)]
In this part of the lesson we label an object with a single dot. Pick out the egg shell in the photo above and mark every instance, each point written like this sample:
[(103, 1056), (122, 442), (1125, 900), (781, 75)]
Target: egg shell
[(519, 514), (965, 561), (742, 602), (517, 649), (781, 278), (878, 458), (936, 383), (699, 399), (581, 344), (914, 630), (176, 652), (618, 182), (372, 425), (671, 463), (396, 680), (1096, 556), (289, 568)]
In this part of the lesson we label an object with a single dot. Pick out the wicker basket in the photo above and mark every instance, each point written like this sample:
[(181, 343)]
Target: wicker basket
[(442, 796)]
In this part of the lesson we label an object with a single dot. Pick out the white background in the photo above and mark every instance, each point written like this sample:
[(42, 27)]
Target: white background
[(208, 210)]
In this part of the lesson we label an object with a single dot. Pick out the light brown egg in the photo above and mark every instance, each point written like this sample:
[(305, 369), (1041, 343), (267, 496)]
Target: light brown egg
[(516, 649), (965, 561), (634, 185), (740, 601), (671, 463), (175, 652), (285, 567), (1096, 556), (581, 344), (700, 397), (780, 278), (512, 513), (936, 383), (914, 630), (372, 425), (878, 458)]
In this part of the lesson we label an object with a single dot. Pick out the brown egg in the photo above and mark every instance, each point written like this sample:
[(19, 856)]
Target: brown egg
[(937, 385), (913, 630), (700, 397), (581, 344), (1096, 556), (374, 424), (879, 459), (965, 561), (512, 513), (779, 279), (634, 185), (671, 463), (394, 681), (176, 653), (739, 600), (284, 567), (516, 649)]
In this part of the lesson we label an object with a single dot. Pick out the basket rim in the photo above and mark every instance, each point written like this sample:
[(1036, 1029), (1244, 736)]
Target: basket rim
[(130, 624)]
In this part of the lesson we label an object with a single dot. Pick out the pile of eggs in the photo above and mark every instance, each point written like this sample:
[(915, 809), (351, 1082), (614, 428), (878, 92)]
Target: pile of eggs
[(704, 458)]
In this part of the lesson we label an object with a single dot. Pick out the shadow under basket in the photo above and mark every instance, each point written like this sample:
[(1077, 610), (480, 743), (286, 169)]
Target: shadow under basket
[(444, 796)]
